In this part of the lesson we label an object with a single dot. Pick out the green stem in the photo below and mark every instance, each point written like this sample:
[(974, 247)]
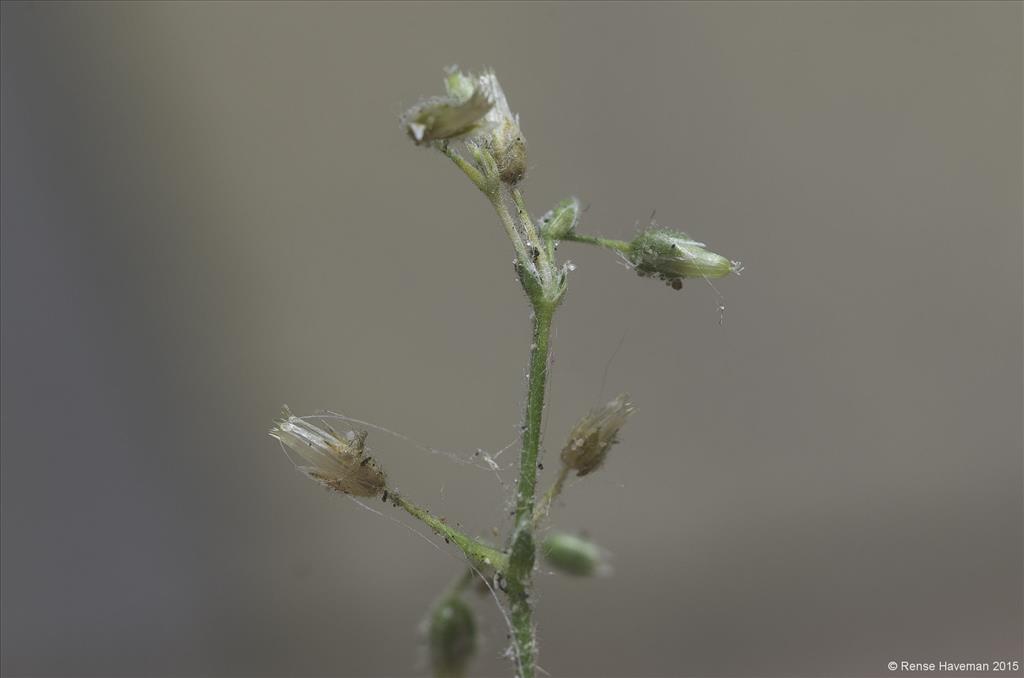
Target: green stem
[(473, 173), (543, 287), (545, 260), (607, 243), (510, 230), (484, 177), (536, 390), (522, 550), (479, 554), (544, 506), (457, 586)]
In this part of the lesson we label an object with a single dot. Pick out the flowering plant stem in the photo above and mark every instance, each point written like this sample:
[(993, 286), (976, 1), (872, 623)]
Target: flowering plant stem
[(475, 114), (540, 281), (544, 506), (479, 554), (522, 555)]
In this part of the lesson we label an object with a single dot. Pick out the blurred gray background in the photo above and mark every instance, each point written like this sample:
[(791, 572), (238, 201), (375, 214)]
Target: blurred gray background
[(209, 210)]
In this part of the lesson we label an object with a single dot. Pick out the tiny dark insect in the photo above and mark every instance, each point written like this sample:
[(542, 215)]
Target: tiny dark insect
[(446, 540), (384, 497), (540, 466)]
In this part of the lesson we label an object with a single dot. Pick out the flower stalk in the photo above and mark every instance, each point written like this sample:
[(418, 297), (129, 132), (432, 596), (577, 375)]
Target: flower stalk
[(482, 556)]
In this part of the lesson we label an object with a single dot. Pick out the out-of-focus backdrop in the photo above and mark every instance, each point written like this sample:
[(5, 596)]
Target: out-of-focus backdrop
[(209, 210)]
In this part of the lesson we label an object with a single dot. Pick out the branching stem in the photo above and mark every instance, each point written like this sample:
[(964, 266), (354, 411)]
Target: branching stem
[(543, 284), (510, 229), (473, 173)]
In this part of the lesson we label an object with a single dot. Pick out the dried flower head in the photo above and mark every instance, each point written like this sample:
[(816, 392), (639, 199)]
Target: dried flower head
[(673, 256), (336, 461), (595, 434)]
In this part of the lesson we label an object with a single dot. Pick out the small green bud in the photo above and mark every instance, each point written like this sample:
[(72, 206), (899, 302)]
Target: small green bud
[(594, 434), (672, 256), (560, 221), (529, 278), (452, 638), (573, 555)]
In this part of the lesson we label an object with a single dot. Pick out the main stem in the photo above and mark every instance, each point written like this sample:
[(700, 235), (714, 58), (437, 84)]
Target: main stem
[(538, 276), (536, 390), (522, 549)]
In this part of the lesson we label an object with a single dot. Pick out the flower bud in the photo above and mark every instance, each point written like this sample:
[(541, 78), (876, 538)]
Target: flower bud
[(672, 256), (458, 84), (594, 435), (503, 139), (561, 220), (338, 462), (452, 638), (573, 555)]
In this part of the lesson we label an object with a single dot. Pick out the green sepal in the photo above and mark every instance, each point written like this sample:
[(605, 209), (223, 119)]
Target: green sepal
[(561, 220)]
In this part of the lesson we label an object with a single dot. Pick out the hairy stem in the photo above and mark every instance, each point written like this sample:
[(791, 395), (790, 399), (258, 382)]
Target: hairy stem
[(544, 505), (484, 177), (545, 253), (544, 287), (607, 243), (510, 229), (479, 554), (522, 550), (472, 172), (536, 390)]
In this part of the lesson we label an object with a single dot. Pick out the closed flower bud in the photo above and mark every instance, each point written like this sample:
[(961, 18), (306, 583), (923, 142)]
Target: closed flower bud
[(672, 256), (458, 84), (561, 220), (452, 638), (573, 555), (594, 435), (336, 461), (503, 137)]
